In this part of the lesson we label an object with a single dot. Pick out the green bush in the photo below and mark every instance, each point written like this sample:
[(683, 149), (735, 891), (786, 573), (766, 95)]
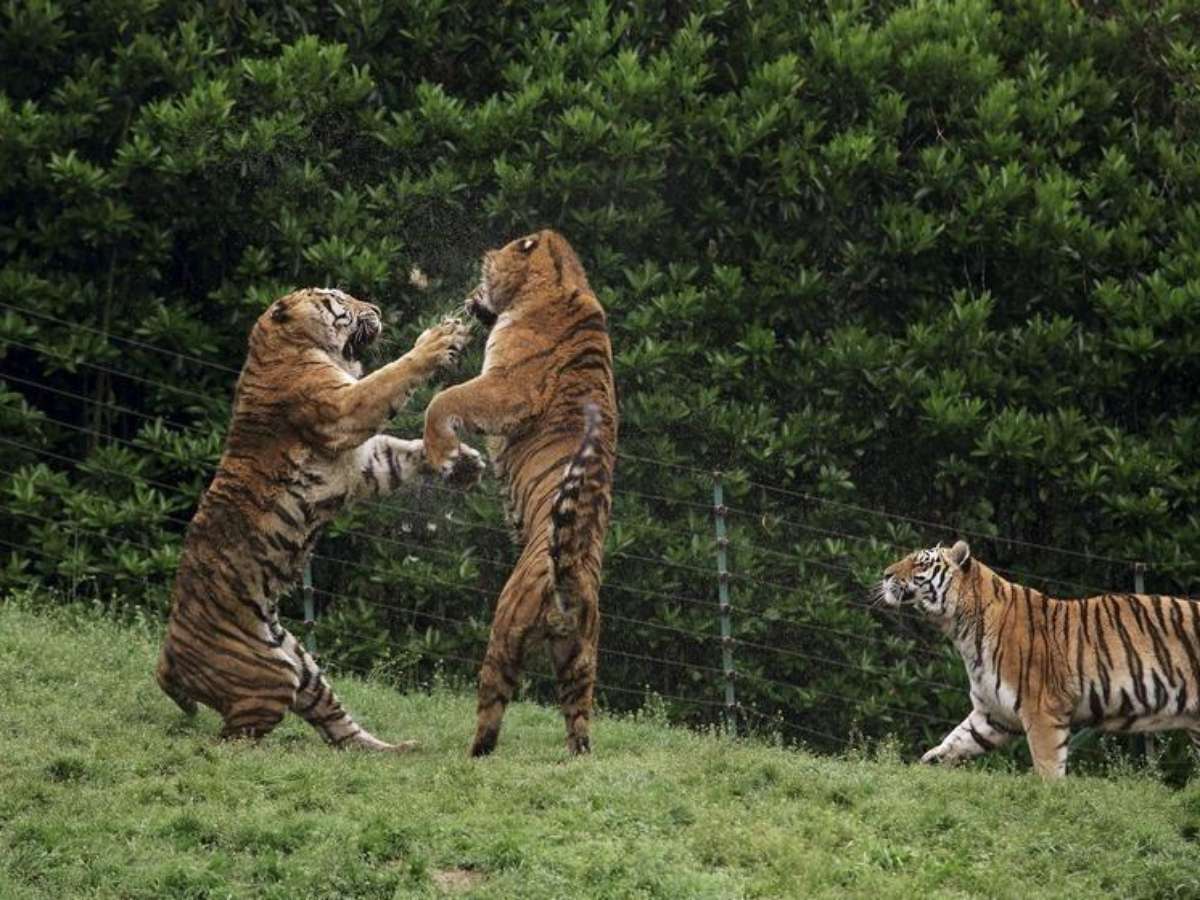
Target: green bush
[(939, 259)]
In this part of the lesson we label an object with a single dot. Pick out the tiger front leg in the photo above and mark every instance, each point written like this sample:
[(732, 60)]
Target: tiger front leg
[(1049, 738), (351, 412), (386, 462), (486, 404), (974, 736)]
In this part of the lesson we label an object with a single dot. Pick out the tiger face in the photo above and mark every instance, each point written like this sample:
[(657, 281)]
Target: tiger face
[(326, 318), (927, 579), (513, 272)]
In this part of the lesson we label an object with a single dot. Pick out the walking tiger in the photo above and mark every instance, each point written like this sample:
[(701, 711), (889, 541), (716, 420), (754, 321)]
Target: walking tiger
[(1039, 665)]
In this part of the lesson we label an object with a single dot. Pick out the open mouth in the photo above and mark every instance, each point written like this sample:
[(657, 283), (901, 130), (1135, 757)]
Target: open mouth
[(885, 594), (360, 339)]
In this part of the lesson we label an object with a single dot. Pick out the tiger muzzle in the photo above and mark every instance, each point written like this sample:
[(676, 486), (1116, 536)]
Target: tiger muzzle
[(366, 330)]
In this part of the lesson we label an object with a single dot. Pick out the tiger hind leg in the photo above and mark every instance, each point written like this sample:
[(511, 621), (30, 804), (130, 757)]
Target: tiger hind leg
[(499, 674), (318, 705), (516, 612), (253, 717), (497, 684), (575, 671), (167, 676)]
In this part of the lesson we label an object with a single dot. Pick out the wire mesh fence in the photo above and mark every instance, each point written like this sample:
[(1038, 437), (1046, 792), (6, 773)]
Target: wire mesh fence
[(725, 599)]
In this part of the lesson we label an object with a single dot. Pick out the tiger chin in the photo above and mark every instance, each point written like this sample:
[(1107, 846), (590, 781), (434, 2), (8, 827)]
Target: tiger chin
[(302, 445), (1039, 665), (547, 403)]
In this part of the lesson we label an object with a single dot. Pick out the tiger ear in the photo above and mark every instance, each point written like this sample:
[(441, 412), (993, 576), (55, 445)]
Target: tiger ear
[(279, 312), (960, 555), (527, 244)]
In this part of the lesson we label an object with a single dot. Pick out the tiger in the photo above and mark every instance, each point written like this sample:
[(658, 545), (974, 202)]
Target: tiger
[(302, 445), (1039, 665), (547, 403)]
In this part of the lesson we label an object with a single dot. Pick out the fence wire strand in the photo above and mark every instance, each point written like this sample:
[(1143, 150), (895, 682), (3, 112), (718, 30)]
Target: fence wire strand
[(752, 652), (700, 637)]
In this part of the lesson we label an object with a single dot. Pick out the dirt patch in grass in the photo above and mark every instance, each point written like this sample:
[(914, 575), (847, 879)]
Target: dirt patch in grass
[(455, 881)]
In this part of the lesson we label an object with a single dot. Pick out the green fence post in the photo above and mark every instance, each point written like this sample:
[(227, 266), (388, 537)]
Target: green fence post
[(310, 610), (719, 511), (1139, 587)]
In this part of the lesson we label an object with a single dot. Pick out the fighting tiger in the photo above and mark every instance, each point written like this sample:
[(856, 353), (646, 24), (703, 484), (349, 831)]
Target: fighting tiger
[(302, 444), (547, 403), (1039, 665)]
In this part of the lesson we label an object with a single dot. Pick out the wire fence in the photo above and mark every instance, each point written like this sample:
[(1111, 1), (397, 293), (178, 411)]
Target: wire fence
[(719, 633)]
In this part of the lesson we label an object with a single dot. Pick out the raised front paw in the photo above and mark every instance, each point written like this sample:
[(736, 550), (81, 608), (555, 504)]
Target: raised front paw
[(463, 468), (443, 344)]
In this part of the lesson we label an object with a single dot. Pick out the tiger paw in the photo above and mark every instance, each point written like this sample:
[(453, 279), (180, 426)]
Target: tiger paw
[(463, 468), (485, 740), (477, 306), (442, 345), (932, 757), (579, 744), (364, 740)]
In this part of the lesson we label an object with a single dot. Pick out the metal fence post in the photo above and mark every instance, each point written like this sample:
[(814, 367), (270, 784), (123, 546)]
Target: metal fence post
[(310, 610), (719, 511), (1139, 587)]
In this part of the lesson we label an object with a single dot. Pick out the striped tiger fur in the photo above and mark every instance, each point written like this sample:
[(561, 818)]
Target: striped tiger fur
[(302, 444), (1039, 665), (546, 400)]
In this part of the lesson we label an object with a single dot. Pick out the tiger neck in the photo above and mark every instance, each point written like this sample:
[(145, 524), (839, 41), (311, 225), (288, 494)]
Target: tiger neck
[(974, 617), (1003, 611)]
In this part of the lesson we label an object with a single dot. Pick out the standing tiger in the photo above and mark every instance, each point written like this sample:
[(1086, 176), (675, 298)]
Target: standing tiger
[(547, 402), (1039, 665), (302, 444)]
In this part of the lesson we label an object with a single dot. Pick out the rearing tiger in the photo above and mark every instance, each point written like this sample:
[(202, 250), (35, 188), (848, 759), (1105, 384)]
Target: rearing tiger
[(301, 445), (546, 400), (1039, 665)]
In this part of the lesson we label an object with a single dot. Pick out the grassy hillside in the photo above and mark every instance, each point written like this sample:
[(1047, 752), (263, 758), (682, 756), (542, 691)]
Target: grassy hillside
[(106, 791)]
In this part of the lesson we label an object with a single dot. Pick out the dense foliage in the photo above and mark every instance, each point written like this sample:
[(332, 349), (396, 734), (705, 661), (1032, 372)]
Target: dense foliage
[(935, 259)]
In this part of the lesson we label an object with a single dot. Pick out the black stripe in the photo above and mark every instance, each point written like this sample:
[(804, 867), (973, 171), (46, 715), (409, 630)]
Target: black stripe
[(980, 739), (286, 517)]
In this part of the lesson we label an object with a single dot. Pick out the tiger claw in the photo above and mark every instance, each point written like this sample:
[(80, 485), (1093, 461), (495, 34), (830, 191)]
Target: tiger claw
[(463, 468)]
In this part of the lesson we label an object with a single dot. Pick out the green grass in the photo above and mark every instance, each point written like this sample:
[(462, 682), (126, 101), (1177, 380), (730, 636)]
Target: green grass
[(107, 791)]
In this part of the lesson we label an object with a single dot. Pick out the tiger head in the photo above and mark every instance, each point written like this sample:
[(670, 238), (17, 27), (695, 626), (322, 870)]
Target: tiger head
[(322, 317), (536, 267), (931, 580)]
